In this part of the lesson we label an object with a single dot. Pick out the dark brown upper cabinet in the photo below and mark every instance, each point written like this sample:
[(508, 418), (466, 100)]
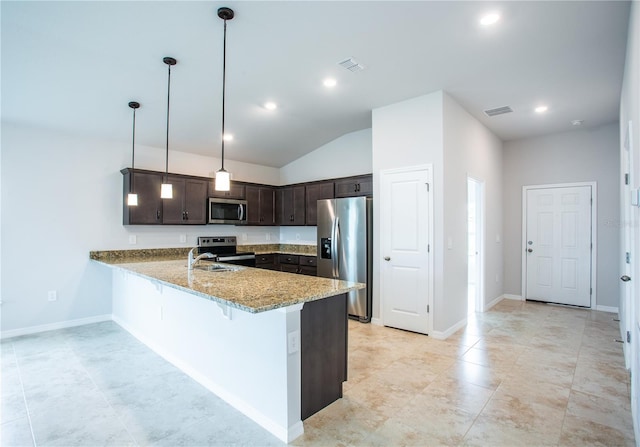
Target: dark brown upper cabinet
[(147, 185), (189, 203), (236, 191), (260, 205), (361, 185), (290, 203), (313, 193)]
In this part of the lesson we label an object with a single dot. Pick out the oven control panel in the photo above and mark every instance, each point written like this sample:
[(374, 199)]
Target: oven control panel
[(217, 241)]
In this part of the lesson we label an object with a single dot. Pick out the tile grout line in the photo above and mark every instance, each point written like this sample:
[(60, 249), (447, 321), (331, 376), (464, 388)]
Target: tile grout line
[(24, 396), (107, 401)]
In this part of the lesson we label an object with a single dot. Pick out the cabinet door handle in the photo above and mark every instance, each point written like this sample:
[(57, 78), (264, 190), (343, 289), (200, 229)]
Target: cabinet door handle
[(157, 214), (186, 215), (625, 278)]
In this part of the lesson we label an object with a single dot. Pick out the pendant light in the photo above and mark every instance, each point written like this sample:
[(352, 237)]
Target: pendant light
[(222, 182), (132, 197), (166, 190)]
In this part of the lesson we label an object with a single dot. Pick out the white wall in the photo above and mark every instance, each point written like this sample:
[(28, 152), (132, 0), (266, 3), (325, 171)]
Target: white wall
[(470, 150), (434, 129), (347, 155), (61, 198), (409, 133), (576, 156)]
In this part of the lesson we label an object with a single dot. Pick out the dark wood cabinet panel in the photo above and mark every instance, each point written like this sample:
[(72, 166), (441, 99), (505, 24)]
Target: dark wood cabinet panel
[(361, 185), (323, 352), (147, 186), (196, 201), (267, 261), (288, 259), (313, 193), (236, 191), (260, 205), (290, 203), (289, 268), (305, 265), (188, 205)]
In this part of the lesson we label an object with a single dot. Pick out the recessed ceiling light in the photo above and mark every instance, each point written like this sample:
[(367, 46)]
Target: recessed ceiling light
[(329, 82), (227, 137), (489, 19), (541, 109), (270, 105), (577, 122)]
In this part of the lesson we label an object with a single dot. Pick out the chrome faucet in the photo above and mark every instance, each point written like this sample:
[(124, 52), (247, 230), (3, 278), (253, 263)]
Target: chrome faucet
[(191, 261)]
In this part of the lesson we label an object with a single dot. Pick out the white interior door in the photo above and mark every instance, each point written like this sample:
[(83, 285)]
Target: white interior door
[(406, 279), (558, 245)]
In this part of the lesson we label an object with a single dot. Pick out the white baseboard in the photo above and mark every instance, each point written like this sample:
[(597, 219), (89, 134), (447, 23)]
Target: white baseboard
[(492, 303), (54, 326), (442, 335), (376, 321), (613, 310), (509, 296)]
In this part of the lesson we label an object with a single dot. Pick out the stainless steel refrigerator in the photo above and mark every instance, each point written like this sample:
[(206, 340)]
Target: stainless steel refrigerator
[(345, 248)]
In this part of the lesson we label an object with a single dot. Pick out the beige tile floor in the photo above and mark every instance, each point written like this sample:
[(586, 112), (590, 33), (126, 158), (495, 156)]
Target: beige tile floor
[(522, 374)]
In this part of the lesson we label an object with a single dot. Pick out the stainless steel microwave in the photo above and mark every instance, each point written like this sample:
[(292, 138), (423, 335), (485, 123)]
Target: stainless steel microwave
[(227, 211)]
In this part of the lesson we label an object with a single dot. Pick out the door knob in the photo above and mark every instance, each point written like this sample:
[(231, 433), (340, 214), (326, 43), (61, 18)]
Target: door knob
[(387, 258), (625, 278), (530, 250)]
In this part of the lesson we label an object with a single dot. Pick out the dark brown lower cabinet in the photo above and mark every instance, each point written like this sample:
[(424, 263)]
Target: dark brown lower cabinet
[(323, 349)]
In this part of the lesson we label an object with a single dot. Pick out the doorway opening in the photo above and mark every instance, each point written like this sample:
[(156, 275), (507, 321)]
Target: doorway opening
[(475, 218)]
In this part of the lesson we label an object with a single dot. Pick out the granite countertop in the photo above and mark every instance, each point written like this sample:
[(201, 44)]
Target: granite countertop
[(246, 288)]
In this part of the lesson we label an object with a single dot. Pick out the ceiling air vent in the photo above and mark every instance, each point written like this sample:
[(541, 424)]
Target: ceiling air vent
[(351, 64), (498, 111)]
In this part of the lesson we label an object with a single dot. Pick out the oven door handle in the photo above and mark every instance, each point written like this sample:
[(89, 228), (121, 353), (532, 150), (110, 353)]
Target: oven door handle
[(240, 212), (235, 258)]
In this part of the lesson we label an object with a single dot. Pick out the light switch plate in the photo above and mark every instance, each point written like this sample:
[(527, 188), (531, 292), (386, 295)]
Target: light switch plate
[(132, 239)]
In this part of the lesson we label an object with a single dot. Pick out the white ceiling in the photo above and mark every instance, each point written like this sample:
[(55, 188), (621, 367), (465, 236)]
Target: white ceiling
[(74, 66)]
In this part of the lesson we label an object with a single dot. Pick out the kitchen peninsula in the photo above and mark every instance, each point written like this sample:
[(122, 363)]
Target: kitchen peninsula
[(272, 344)]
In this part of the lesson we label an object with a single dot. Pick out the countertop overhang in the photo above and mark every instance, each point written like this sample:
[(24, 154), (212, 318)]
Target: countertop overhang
[(249, 289)]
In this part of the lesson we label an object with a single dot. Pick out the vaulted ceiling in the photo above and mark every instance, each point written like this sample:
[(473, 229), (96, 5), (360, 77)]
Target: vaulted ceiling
[(74, 66)]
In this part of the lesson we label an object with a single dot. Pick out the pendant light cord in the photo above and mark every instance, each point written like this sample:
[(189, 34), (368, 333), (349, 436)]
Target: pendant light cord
[(224, 83), (168, 96), (133, 150)]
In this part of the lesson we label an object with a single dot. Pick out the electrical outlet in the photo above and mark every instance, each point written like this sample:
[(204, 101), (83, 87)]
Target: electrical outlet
[(293, 342), (132, 239), (268, 236), (297, 236), (183, 238), (52, 295), (244, 236)]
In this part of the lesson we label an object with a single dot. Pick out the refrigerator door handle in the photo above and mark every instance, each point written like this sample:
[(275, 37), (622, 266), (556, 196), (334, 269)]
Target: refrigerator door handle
[(336, 244)]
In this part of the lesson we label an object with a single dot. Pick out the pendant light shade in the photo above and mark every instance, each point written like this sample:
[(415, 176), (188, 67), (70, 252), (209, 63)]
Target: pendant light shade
[(223, 182), (166, 190), (132, 197)]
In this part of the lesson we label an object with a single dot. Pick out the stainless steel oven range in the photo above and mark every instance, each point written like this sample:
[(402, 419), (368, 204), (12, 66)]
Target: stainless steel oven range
[(225, 250)]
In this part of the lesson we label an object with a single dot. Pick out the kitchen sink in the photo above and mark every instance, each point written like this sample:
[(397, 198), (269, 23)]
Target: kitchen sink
[(213, 267)]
